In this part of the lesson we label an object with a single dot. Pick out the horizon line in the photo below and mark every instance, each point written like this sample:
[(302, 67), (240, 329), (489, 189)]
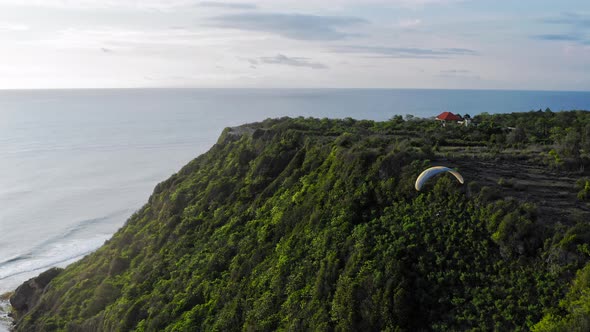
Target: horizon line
[(275, 88)]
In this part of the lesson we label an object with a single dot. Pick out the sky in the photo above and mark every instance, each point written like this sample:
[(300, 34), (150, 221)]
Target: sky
[(448, 44)]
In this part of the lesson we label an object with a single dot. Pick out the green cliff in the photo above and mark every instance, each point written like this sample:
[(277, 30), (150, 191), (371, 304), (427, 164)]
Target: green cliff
[(308, 224)]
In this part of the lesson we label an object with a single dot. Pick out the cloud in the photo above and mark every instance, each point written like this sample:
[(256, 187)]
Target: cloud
[(166, 5), (455, 71), (281, 59), (409, 23), (558, 37), (572, 19), (404, 4), (578, 27), (103, 4), (422, 3), (405, 52), (14, 27), (459, 74), (227, 5), (294, 26), (131, 41)]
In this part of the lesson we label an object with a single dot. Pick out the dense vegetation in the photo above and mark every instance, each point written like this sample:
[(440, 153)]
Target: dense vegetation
[(298, 224)]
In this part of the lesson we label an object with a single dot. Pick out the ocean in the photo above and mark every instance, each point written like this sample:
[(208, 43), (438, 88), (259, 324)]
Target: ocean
[(75, 164)]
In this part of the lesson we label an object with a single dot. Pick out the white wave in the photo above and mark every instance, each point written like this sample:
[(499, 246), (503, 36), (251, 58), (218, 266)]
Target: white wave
[(50, 255), (5, 321), (69, 246)]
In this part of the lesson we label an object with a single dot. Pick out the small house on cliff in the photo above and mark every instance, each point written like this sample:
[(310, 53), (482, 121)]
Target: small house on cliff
[(445, 117), (448, 116)]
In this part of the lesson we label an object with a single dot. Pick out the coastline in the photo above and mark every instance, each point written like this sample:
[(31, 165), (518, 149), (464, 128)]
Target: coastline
[(5, 320), (5, 308)]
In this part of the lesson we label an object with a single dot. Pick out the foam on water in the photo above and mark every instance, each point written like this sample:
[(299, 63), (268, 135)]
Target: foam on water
[(73, 243), (5, 321)]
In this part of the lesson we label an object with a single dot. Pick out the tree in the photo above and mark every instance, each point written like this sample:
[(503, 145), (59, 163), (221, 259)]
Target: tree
[(516, 136)]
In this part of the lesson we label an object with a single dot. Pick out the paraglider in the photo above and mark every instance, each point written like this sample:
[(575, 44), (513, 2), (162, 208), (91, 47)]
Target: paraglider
[(432, 171)]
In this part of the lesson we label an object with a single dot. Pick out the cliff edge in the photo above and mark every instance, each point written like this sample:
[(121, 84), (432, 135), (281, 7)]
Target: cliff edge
[(298, 224)]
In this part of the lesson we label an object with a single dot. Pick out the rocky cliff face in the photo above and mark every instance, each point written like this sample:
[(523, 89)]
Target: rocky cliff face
[(27, 295), (307, 224)]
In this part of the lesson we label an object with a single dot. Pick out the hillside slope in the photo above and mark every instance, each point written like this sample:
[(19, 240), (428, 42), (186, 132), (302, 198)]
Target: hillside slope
[(304, 223)]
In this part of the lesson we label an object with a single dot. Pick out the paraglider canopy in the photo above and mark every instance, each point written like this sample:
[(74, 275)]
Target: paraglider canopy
[(432, 171)]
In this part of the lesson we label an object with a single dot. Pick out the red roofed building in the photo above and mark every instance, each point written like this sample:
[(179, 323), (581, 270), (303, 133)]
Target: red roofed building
[(448, 116)]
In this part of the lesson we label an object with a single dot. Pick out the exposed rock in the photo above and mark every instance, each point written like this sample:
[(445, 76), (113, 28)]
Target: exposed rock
[(28, 294), (240, 130)]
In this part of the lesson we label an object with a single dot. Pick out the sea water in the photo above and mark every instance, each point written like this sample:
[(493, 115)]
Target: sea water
[(75, 164)]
